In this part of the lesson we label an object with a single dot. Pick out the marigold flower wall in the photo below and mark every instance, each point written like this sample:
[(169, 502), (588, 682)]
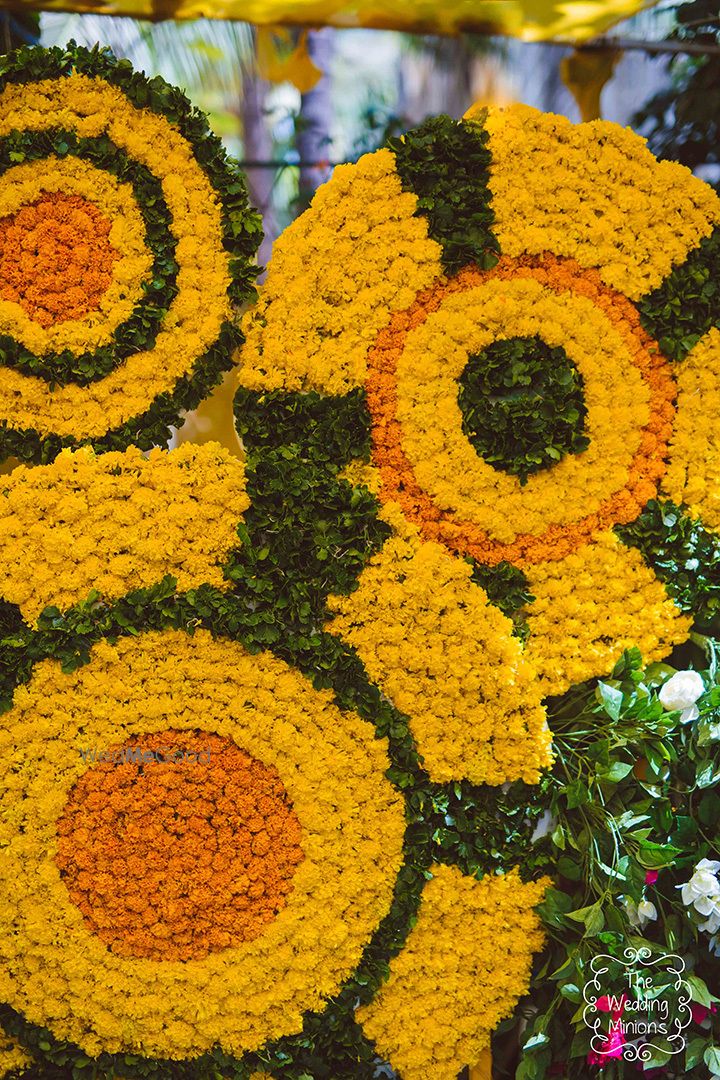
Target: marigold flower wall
[(341, 657), (166, 604), (505, 332)]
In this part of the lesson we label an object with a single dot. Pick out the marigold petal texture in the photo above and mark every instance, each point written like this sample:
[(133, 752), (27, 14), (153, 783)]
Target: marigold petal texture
[(57, 970), (591, 605), (447, 659), (118, 522), (692, 477), (594, 193), (473, 944)]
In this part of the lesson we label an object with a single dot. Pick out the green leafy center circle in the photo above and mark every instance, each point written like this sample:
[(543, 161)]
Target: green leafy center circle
[(522, 405)]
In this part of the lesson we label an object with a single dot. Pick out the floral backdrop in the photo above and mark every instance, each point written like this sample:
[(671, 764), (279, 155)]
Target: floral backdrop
[(347, 755)]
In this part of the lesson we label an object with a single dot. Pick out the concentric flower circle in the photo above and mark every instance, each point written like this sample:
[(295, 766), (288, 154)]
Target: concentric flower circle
[(535, 230), (205, 861), (144, 324), (430, 467), (299, 809), (497, 570), (32, 338)]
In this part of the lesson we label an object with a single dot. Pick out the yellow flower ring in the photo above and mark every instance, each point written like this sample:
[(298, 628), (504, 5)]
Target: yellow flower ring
[(218, 857), (112, 359), (489, 248), (126, 236), (77, 972), (628, 391)]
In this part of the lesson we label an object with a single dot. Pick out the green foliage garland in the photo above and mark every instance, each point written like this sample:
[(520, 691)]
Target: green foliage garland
[(447, 166)]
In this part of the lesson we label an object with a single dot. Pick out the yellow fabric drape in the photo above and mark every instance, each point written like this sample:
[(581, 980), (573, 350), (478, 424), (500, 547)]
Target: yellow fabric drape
[(531, 20), (213, 420), (483, 1069), (585, 73), (278, 60)]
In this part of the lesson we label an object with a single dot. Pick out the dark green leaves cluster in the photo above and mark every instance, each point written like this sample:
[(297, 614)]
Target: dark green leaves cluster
[(522, 405), (327, 431), (446, 164), (687, 304), (684, 555), (631, 792), (507, 587)]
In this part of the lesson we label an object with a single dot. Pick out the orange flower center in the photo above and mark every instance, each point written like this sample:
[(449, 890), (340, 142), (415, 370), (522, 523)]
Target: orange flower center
[(56, 258), (181, 846)]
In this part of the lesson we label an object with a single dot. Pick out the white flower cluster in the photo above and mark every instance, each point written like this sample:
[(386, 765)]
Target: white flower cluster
[(702, 892)]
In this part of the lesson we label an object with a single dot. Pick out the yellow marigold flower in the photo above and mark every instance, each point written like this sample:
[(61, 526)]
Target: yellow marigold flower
[(470, 929), (562, 244), (115, 353), (118, 522)]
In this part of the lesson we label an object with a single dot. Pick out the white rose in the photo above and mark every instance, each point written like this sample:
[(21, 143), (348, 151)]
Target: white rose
[(681, 692)]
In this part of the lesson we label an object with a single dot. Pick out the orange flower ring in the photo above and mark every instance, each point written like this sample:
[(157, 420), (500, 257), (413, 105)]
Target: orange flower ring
[(188, 852), (56, 258), (400, 484)]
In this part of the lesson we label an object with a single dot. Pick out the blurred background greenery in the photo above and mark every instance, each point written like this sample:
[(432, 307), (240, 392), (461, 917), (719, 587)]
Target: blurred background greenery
[(291, 103)]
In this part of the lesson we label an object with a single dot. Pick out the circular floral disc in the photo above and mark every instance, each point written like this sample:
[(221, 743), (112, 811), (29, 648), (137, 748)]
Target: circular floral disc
[(476, 508), (505, 239), (237, 840), (207, 861), (125, 242)]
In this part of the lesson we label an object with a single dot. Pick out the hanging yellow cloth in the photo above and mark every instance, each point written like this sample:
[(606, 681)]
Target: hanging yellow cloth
[(278, 61), (585, 73), (531, 20), (213, 419), (483, 1069)]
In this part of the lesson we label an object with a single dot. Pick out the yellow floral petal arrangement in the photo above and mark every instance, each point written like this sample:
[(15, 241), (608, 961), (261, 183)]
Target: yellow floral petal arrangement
[(95, 157), (117, 522), (276, 729), (523, 388), (493, 345), (218, 838)]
